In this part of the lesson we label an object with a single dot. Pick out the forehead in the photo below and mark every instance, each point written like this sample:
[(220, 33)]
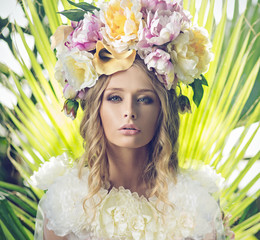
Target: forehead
[(132, 78)]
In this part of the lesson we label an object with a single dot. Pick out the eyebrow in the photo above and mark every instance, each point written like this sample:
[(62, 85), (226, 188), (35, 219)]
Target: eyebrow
[(139, 90)]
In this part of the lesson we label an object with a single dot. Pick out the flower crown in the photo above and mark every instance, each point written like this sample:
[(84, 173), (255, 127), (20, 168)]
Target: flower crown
[(106, 39)]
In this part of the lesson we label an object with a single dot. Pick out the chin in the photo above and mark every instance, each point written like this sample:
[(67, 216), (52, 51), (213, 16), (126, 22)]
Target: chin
[(130, 144)]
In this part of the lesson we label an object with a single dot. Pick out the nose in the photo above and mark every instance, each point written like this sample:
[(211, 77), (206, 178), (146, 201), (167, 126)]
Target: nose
[(130, 111), (132, 116)]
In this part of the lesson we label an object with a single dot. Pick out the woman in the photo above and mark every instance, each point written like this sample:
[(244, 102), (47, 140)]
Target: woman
[(127, 185), (130, 127)]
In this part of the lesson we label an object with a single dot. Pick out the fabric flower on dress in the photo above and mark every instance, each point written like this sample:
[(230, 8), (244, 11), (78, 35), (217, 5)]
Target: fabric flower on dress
[(124, 215), (196, 213), (190, 54), (121, 214), (64, 208), (208, 178), (121, 19), (50, 171), (185, 223)]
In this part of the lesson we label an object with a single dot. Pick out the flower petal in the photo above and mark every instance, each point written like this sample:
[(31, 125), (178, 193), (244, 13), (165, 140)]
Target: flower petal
[(107, 61), (61, 33)]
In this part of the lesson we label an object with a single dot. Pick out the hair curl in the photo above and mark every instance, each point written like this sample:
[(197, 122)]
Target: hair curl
[(163, 148)]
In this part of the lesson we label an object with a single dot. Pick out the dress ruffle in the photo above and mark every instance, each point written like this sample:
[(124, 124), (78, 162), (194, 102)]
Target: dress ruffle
[(125, 215), (196, 211)]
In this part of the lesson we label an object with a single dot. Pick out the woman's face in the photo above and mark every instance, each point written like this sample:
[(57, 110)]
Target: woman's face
[(130, 109)]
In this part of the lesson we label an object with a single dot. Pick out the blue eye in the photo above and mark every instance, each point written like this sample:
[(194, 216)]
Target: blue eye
[(145, 100), (114, 98)]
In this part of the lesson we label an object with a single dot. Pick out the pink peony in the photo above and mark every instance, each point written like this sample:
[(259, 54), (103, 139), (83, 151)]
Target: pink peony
[(154, 5), (74, 24), (86, 34), (160, 61), (169, 5), (162, 27)]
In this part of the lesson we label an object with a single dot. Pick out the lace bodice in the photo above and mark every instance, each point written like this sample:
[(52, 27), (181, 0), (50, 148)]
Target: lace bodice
[(122, 214)]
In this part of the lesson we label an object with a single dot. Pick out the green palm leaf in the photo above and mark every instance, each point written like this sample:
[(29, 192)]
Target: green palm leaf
[(17, 211)]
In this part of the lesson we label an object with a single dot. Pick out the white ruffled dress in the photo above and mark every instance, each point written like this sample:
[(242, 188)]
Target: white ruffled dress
[(124, 215)]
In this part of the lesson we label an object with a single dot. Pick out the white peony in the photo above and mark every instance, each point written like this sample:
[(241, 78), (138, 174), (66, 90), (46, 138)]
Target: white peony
[(50, 171), (190, 54), (59, 73), (75, 67)]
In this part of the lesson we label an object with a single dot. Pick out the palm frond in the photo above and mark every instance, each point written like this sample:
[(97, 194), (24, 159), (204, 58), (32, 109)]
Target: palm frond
[(18, 208)]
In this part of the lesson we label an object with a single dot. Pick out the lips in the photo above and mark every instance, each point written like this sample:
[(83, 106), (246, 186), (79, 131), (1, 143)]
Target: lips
[(129, 129)]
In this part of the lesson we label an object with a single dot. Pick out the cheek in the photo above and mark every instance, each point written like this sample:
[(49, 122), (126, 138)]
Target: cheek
[(151, 120), (109, 116), (153, 114)]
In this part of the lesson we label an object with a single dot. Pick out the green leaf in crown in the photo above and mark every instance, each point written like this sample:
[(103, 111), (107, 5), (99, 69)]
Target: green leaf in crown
[(198, 89), (77, 14)]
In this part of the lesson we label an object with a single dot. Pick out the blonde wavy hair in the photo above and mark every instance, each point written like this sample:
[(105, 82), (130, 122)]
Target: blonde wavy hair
[(163, 148)]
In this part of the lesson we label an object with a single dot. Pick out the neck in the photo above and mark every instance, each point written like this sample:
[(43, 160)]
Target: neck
[(126, 167)]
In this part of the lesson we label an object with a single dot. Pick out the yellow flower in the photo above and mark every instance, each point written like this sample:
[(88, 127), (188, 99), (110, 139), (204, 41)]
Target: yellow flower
[(121, 19), (200, 44), (190, 54), (107, 61)]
